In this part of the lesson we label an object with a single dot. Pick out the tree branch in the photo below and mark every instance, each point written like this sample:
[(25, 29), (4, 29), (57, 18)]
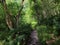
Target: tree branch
[(3, 2), (8, 14), (18, 14), (20, 9)]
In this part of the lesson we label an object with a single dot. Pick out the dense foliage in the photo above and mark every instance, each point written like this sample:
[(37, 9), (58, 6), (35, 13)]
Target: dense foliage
[(42, 15)]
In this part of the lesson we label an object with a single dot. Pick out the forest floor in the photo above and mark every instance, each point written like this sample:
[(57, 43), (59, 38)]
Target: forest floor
[(54, 40)]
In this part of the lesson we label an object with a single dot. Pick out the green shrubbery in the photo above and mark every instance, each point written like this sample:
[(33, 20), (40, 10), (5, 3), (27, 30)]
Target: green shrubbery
[(45, 18)]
